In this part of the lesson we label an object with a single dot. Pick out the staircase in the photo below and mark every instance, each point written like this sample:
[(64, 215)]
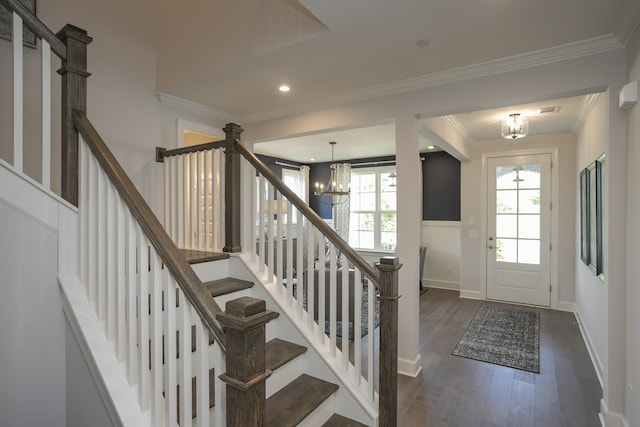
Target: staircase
[(293, 397), (267, 357)]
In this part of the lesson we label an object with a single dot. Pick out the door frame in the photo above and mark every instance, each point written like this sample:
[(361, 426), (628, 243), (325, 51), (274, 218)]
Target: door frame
[(553, 260)]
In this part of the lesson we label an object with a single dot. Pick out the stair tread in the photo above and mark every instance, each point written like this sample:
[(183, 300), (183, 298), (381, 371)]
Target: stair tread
[(340, 421), (196, 257), (226, 286), (292, 404), (280, 352)]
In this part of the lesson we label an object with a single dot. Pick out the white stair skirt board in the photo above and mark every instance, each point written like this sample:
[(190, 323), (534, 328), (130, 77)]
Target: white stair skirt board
[(595, 360), (118, 396), (410, 368)]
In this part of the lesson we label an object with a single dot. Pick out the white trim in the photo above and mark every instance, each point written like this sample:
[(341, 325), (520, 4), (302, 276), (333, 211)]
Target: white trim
[(441, 284), (513, 63), (555, 189), (187, 125), (586, 106), (433, 223), (471, 294), (410, 368), (194, 107), (611, 419), (567, 306), (455, 124)]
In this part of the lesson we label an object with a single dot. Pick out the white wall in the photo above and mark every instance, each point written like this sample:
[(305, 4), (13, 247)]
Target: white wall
[(591, 292), (632, 404), (32, 331)]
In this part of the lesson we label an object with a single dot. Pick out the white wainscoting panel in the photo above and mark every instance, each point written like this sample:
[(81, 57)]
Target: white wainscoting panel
[(442, 264)]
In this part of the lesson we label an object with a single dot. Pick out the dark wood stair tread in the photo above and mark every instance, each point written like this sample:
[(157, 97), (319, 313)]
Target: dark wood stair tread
[(290, 405), (226, 286), (280, 352), (340, 421), (196, 257)]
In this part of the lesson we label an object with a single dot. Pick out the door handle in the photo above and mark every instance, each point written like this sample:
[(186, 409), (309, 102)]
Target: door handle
[(490, 238), (490, 246)]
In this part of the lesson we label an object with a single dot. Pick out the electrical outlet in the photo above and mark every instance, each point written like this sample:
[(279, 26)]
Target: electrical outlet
[(448, 270), (629, 391)]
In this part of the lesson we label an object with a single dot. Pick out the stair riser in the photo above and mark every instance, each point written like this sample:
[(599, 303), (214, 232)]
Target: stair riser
[(216, 270), (285, 374)]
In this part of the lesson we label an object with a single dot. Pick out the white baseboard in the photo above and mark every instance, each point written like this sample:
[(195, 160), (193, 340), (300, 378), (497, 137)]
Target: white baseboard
[(590, 348), (611, 419), (441, 284), (410, 368), (567, 306), (470, 294)]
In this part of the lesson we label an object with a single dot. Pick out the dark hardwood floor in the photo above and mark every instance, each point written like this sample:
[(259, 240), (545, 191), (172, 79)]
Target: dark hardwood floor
[(455, 391)]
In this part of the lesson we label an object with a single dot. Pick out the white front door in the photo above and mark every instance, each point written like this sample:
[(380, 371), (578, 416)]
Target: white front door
[(519, 229)]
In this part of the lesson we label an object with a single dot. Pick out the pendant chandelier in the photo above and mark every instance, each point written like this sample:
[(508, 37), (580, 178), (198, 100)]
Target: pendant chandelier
[(332, 192), (515, 127)]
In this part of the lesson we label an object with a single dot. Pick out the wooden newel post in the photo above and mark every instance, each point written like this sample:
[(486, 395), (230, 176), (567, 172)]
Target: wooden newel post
[(388, 390), (74, 97), (244, 323), (232, 190)]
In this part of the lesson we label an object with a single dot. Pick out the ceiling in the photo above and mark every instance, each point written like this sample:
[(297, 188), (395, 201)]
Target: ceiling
[(336, 51)]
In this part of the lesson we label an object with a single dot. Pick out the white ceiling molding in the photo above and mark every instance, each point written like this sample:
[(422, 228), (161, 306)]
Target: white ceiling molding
[(513, 63), (584, 111), (194, 107), (457, 126)]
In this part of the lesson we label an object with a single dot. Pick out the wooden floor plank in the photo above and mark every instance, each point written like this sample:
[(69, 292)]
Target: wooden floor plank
[(474, 393)]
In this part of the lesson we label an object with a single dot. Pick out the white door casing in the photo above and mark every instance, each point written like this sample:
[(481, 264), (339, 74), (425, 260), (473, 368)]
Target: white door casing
[(519, 229)]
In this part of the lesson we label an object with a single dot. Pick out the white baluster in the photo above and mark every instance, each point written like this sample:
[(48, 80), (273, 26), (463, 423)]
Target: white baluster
[(311, 246), (18, 94), (181, 170), (121, 279), (208, 241), (170, 359), (261, 223), (202, 373), (322, 286), (371, 337), (220, 389), (132, 302), (217, 199), (199, 204), (269, 235), (289, 240), (155, 291), (93, 230), (101, 256), (357, 325), (332, 301), (142, 293), (84, 214), (253, 220), (299, 262), (345, 313), (184, 369), (45, 50), (111, 257)]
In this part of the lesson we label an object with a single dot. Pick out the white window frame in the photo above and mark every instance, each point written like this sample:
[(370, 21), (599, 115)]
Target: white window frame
[(378, 212)]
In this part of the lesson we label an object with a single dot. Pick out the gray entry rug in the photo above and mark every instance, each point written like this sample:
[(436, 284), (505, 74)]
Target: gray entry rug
[(364, 322), (503, 336)]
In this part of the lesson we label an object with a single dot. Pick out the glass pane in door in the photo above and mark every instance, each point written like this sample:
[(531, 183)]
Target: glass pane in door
[(518, 213)]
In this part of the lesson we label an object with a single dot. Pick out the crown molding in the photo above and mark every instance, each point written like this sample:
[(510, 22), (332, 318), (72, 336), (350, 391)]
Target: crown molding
[(455, 124), (197, 108), (513, 63)]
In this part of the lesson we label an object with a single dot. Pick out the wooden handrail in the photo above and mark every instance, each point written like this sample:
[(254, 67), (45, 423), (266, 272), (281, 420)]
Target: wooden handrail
[(311, 215), (162, 153), (37, 26), (171, 256)]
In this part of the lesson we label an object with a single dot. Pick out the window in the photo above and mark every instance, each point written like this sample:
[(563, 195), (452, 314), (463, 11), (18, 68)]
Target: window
[(295, 181), (372, 223)]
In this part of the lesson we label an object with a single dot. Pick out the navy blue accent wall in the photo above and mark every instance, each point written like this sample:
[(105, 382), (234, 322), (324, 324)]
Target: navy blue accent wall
[(440, 187), (440, 184), (319, 172)]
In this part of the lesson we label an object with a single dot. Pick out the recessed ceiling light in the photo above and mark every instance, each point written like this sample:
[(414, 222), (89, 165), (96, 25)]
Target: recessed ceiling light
[(284, 88), (423, 42), (313, 159), (431, 147)]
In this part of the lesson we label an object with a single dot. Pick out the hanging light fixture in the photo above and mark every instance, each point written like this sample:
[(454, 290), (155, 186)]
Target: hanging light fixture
[(335, 193), (515, 127)]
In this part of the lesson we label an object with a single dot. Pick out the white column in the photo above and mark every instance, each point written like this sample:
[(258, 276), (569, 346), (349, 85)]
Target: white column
[(409, 202)]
